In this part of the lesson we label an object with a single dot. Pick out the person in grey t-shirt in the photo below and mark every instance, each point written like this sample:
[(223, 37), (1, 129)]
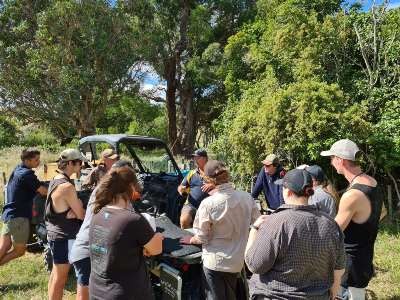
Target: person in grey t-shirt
[(79, 256), (323, 199)]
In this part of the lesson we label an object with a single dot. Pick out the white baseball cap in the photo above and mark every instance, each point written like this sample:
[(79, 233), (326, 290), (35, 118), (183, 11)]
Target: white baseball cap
[(345, 149)]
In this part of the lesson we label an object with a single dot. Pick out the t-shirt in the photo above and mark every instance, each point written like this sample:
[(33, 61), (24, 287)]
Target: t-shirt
[(323, 200), (21, 189), (196, 195), (118, 269), (80, 249)]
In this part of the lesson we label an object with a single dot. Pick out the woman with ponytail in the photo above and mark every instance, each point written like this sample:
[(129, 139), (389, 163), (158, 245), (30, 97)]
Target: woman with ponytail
[(297, 251), (118, 239)]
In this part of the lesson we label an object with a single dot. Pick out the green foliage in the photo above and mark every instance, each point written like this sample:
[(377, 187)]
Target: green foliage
[(135, 115), (71, 58), (297, 81), (8, 133)]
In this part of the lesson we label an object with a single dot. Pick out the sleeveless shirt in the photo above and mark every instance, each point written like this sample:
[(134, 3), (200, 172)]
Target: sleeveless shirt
[(57, 224)]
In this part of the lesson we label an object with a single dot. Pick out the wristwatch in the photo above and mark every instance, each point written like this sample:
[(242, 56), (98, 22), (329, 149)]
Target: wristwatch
[(254, 227)]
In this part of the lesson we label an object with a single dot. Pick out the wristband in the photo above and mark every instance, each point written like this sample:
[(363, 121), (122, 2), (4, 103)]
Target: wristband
[(254, 227)]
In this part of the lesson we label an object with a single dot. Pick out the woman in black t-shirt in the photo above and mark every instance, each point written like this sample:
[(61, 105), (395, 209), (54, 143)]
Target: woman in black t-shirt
[(118, 239)]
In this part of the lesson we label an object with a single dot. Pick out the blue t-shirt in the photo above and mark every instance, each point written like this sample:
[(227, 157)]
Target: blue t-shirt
[(196, 195), (21, 189)]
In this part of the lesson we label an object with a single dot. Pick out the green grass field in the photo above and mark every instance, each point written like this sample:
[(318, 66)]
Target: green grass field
[(26, 278)]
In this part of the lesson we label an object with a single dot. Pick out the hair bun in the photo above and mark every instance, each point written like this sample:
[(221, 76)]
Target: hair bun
[(308, 191)]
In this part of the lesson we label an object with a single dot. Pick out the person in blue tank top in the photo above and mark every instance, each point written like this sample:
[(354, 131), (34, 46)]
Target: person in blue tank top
[(358, 216)]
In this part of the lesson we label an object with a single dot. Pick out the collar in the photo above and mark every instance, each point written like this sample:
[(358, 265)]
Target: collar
[(305, 207)]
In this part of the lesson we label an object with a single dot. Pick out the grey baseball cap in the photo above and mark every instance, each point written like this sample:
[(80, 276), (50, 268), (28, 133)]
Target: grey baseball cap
[(345, 149), (316, 172), (71, 154)]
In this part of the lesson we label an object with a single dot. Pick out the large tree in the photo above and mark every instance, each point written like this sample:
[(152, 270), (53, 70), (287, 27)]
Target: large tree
[(184, 41), (63, 62)]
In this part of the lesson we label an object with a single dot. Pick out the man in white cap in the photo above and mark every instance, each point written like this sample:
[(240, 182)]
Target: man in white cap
[(271, 171), (107, 158), (358, 217)]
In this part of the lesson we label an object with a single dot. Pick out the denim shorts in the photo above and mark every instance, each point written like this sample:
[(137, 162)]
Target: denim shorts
[(82, 271), (60, 250)]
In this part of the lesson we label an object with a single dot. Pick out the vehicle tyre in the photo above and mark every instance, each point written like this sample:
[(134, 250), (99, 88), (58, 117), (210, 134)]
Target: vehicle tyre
[(48, 258)]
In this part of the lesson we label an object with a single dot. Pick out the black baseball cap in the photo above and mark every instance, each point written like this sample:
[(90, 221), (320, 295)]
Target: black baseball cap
[(316, 172), (296, 180), (200, 153)]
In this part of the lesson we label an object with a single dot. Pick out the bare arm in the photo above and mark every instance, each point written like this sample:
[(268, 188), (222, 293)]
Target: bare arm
[(347, 209), (42, 190), (73, 202), (337, 277), (154, 246), (181, 189)]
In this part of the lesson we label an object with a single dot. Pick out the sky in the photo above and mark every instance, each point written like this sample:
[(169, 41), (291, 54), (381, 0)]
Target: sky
[(366, 4)]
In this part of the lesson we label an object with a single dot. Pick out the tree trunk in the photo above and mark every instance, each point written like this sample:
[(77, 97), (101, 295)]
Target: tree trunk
[(187, 134), (86, 120), (170, 76)]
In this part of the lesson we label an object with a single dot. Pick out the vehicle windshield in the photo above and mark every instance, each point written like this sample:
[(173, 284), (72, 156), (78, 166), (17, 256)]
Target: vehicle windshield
[(154, 158)]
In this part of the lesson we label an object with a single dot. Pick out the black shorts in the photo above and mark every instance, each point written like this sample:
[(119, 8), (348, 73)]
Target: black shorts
[(82, 271), (60, 250), (359, 271)]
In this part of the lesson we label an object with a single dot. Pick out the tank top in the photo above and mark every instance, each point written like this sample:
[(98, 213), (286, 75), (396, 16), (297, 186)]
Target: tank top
[(57, 224), (360, 238)]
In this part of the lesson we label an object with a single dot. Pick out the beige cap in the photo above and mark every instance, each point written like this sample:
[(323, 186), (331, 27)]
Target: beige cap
[(109, 153), (345, 149), (271, 159), (71, 154)]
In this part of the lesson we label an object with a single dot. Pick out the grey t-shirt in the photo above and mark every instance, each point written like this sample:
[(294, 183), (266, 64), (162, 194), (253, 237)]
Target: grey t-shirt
[(323, 200), (80, 249)]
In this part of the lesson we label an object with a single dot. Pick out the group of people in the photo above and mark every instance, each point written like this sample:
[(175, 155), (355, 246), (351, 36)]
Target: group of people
[(305, 247), (308, 245)]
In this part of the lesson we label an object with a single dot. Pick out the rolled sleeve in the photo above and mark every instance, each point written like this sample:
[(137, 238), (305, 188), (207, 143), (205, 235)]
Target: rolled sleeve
[(202, 223), (261, 256)]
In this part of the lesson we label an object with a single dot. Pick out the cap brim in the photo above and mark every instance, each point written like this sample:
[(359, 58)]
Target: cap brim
[(279, 182), (114, 156), (327, 153), (266, 162), (84, 159)]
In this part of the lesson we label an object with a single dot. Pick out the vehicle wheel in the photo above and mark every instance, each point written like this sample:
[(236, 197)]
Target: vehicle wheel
[(48, 258)]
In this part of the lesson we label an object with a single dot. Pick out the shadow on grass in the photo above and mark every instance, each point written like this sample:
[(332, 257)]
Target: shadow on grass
[(13, 287), (390, 227)]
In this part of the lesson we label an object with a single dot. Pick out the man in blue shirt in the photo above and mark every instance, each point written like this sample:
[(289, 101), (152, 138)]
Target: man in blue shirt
[(271, 171), (17, 212), (195, 189)]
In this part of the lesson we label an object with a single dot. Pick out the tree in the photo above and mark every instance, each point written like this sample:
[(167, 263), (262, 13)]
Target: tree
[(71, 58), (181, 39)]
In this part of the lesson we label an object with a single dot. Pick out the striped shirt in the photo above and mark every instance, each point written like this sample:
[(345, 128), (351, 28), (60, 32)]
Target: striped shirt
[(295, 253)]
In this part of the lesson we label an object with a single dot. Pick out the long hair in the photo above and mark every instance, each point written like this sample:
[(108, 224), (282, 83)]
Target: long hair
[(118, 182), (330, 189)]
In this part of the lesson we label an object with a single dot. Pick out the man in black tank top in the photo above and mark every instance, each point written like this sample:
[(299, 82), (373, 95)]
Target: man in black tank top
[(63, 214), (358, 217)]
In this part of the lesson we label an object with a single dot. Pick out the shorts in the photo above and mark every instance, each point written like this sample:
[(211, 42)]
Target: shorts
[(359, 271), (18, 228), (60, 249), (189, 209), (82, 271)]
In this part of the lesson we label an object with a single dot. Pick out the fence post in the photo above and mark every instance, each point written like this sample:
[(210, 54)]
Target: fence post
[(390, 202)]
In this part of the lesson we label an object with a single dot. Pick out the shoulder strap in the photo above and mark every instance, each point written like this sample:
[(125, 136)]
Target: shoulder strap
[(190, 175)]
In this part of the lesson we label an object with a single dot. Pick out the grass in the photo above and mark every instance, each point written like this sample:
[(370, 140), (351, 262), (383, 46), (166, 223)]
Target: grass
[(26, 277)]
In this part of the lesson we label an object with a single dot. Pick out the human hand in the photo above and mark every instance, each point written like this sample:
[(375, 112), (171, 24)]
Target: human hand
[(207, 187), (146, 252), (71, 214), (186, 240), (261, 219)]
